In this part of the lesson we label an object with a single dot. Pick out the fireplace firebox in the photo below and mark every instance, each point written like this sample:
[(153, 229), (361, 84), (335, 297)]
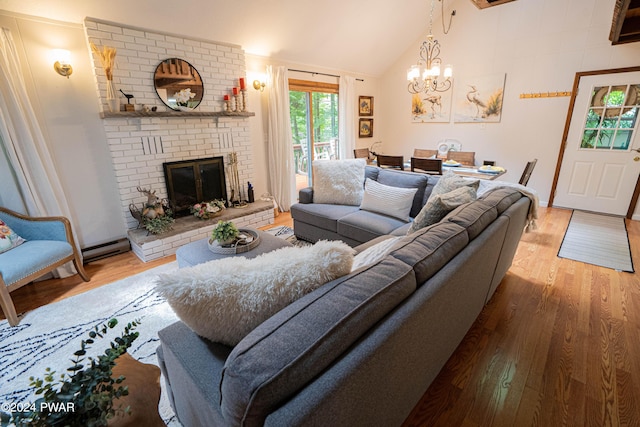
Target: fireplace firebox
[(194, 181)]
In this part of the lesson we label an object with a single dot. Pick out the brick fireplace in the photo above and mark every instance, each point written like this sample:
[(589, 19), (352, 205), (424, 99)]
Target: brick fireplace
[(141, 143)]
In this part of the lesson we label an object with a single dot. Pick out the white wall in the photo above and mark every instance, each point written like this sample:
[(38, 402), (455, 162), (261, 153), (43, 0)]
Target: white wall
[(68, 112), (540, 45)]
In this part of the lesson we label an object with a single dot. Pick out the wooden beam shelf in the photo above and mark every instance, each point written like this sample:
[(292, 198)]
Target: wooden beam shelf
[(181, 114)]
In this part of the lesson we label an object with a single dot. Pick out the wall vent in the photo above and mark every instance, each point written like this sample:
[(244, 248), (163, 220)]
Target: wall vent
[(105, 250)]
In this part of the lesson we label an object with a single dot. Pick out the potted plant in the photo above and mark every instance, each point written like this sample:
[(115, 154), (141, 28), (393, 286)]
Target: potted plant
[(84, 396), (224, 233)]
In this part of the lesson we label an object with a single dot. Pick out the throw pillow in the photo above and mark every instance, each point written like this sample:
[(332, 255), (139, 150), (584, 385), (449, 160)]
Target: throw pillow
[(392, 201), (223, 300), (449, 181), (8, 238), (440, 205), (375, 253), (338, 182)]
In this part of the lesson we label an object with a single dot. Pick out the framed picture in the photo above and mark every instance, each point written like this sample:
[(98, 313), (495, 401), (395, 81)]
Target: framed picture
[(481, 101), (365, 130), (365, 106)]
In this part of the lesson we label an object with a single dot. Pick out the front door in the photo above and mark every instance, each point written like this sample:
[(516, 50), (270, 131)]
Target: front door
[(600, 166)]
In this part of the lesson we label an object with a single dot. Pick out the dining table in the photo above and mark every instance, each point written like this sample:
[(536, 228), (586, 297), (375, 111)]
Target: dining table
[(474, 171)]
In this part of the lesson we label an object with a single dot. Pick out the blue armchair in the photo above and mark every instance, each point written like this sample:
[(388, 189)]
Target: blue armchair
[(49, 244)]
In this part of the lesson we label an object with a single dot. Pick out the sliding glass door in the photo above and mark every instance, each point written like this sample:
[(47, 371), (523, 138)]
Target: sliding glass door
[(314, 125)]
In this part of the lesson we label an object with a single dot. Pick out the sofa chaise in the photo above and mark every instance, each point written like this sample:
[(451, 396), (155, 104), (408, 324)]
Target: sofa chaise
[(360, 350)]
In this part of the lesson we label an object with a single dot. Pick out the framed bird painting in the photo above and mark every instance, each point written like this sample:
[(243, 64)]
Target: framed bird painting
[(431, 107), (479, 99)]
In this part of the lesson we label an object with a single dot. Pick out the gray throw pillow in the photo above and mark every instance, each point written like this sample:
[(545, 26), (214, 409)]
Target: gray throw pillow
[(440, 205), (391, 201), (449, 181)]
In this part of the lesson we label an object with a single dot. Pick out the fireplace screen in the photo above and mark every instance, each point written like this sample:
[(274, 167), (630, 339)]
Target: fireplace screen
[(194, 181)]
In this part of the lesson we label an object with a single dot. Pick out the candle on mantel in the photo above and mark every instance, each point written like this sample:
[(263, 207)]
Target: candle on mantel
[(242, 83), (235, 90), (226, 97)]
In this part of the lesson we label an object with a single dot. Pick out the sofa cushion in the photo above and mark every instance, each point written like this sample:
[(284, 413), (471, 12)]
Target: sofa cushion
[(363, 226), (474, 217), (391, 201), (440, 205), (430, 248), (449, 181), (338, 182), (501, 198), (223, 300), (8, 238), (395, 178), (291, 348), (321, 215)]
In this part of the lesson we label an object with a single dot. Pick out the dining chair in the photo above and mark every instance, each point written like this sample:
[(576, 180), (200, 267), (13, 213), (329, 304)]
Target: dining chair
[(396, 162), (430, 166), (361, 153), (464, 157), (419, 152), (528, 170)]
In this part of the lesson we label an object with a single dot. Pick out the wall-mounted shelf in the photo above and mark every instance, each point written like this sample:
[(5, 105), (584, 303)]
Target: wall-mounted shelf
[(182, 114)]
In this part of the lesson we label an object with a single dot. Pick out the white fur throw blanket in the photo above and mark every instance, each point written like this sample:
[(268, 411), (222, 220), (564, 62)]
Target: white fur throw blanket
[(223, 300)]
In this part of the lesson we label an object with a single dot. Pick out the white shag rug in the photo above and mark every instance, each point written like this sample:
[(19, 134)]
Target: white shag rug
[(48, 336)]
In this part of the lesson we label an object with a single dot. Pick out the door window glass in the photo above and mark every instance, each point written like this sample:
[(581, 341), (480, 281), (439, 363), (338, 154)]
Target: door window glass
[(611, 118)]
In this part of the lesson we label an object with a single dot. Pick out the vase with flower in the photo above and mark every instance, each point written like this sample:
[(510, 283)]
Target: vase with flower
[(107, 57), (182, 98)]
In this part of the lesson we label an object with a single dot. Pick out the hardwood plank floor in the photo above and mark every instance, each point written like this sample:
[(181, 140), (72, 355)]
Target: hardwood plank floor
[(558, 344)]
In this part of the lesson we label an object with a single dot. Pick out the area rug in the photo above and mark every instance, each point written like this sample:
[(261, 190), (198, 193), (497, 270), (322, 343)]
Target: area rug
[(599, 240), (287, 234), (48, 336)]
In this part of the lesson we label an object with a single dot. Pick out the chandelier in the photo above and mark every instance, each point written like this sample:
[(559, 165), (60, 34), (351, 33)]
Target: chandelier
[(425, 75)]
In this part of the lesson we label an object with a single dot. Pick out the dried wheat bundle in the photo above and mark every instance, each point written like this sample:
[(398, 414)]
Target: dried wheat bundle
[(107, 58)]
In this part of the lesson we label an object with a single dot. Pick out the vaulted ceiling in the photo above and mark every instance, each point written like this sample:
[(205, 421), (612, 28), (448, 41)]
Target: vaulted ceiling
[(362, 36)]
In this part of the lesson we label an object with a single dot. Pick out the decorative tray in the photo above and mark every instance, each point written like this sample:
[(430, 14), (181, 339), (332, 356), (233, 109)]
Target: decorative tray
[(247, 240), (490, 169)]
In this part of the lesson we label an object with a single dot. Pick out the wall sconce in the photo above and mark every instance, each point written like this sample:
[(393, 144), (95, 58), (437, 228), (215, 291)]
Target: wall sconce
[(258, 85), (62, 65)]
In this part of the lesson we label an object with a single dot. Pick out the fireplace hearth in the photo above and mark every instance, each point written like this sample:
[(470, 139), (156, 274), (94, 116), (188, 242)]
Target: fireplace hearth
[(194, 181)]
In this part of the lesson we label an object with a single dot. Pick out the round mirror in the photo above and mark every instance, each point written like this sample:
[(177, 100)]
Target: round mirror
[(178, 84)]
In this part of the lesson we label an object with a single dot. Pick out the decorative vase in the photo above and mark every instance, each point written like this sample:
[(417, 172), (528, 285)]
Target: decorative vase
[(112, 98)]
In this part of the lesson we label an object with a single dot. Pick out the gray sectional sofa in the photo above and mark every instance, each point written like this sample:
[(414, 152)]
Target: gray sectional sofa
[(360, 350), (316, 221)]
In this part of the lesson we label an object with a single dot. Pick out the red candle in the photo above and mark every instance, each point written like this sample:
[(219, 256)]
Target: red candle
[(235, 90), (226, 97), (242, 83)]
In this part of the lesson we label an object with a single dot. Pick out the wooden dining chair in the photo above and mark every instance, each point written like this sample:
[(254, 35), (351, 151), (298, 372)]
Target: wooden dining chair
[(419, 152), (430, 166), (528, 170), (361, 153), (464, 157), (396, 162)]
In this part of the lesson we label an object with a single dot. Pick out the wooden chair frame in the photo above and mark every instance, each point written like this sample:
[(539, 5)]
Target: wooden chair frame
[(528, 170), (391, 161), (430, 166)]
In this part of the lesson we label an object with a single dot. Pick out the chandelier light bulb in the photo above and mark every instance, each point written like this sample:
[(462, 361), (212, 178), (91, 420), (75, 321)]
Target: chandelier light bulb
[(448, 71)]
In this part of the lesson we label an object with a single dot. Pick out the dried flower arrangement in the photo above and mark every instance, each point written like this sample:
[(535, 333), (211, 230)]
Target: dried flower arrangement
[(107, 57)]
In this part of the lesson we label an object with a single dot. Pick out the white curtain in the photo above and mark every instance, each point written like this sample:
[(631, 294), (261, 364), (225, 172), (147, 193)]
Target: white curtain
[(280, 147), (348, 123), (34, 184)]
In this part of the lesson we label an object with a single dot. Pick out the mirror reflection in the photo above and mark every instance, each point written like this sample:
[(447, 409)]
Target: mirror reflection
[(178, 84)]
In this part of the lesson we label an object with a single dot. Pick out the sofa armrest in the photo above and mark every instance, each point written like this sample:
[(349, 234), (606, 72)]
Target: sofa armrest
[(305, 195)]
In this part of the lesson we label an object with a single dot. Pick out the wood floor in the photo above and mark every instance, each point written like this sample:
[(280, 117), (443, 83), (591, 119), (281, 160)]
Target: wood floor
[(558, 344)]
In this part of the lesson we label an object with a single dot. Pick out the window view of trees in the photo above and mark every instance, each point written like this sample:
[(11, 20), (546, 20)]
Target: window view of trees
[(611, 118), (314, 124)]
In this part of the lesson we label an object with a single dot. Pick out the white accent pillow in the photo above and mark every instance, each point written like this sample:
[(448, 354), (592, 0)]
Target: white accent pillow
[(387, 200), (338, 182), (223, 300), (374, 253)]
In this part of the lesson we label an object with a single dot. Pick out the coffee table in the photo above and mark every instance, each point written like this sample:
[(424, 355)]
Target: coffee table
[(198, 252)]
